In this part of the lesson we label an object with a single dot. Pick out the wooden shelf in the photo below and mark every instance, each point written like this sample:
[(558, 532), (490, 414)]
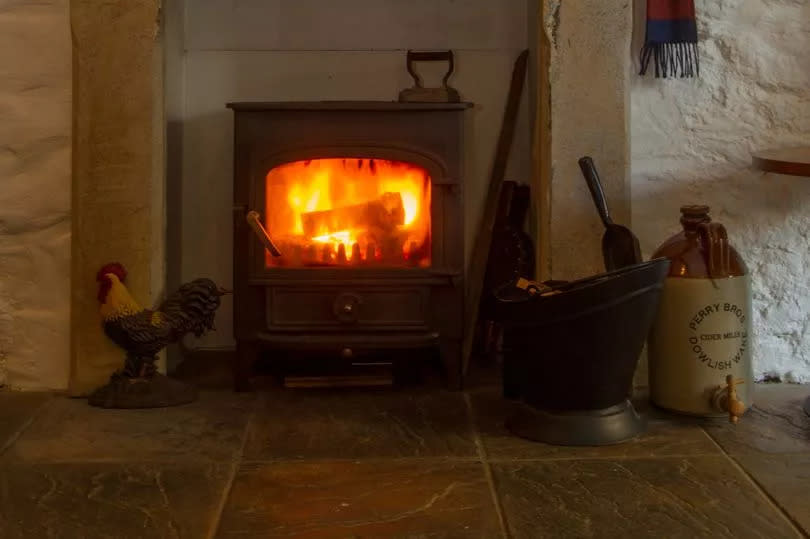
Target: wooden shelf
[(791, 161)]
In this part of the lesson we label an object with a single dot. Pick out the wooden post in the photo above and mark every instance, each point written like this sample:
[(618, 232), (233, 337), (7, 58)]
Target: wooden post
[(118, 172)]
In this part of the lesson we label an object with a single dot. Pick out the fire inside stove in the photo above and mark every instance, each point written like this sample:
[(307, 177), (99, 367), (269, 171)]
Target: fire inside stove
[(349, 212)]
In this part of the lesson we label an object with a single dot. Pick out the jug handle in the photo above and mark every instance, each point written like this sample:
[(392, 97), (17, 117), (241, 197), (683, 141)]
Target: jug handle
[(714, 238)]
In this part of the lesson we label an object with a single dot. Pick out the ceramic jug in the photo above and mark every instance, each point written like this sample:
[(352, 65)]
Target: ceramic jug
[(700, 344)]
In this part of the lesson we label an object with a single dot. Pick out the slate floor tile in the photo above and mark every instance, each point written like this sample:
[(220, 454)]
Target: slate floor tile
[(391, 463), (664, 437), (71, 430), (786, 478), (17, 410), (207, 369), (672, 498), (109, 500), (388, 498), (775, 424), (360, 424)]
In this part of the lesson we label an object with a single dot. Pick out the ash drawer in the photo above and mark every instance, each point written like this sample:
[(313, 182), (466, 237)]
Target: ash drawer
[(383, 307)]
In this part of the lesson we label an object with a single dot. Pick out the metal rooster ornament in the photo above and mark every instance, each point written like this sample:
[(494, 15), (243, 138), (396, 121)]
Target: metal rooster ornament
[(143, 333)]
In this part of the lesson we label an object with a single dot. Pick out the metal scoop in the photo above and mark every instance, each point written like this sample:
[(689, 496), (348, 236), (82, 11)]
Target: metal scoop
[(620, 247)]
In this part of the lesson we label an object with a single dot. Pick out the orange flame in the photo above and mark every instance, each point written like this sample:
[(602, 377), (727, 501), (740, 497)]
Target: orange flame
[(348, 185)]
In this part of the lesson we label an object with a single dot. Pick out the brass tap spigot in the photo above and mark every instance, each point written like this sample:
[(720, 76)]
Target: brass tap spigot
[(725, 399)]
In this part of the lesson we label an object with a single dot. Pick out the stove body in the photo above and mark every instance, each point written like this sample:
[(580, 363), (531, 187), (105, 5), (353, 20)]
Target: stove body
[(348, 293)]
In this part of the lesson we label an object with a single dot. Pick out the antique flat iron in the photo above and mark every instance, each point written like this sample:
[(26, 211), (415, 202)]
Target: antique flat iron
[(418, 93)]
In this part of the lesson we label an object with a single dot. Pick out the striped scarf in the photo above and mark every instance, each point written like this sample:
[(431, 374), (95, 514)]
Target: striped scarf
[(671, 39)]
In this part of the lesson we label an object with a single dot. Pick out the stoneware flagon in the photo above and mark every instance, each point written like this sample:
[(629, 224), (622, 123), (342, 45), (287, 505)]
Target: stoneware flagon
[(700, 344)]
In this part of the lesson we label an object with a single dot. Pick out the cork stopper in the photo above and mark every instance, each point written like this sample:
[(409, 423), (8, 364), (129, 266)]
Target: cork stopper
[(693, 215)]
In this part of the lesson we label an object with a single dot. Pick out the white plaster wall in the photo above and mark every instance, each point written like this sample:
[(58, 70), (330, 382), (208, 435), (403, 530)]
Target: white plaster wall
[(276, 50), (35, 173), (692, 141)]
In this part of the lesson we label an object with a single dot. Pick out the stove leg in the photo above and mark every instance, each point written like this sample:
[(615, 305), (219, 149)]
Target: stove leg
[(450, 352), (246, 355)]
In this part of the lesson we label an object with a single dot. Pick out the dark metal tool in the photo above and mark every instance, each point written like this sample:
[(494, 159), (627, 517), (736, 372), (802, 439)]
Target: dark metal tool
[(483, 240), (620, 247)]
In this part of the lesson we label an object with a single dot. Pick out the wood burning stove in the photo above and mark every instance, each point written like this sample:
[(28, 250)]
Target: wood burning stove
[(363, 203)]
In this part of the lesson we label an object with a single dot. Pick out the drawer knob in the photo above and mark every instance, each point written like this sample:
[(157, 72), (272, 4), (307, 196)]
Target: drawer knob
[(347, 353), (346, 307)]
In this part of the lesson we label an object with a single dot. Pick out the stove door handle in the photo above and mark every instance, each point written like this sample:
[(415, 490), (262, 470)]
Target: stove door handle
[(254, 221)]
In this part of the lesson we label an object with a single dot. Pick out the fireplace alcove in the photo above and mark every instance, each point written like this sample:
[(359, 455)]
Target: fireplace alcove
[(163, 126), (324, 304)]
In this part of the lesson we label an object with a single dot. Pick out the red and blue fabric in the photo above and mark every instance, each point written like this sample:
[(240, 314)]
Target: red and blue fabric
[(671, 40)]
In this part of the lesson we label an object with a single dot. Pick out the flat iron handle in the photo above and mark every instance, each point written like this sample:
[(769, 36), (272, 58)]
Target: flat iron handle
[(430, 56)]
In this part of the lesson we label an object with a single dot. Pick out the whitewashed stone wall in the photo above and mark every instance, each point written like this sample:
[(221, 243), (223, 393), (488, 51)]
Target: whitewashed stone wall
[(692, 141), (35, 163)]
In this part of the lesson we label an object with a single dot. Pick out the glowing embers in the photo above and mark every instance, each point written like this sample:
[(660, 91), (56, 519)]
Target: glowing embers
[(349, 212)]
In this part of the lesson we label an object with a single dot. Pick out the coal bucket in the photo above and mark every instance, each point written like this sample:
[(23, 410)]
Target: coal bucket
[(570, 355)]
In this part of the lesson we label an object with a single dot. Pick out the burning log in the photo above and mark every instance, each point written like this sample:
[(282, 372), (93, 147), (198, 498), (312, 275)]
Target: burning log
[(385, 213), (392, 249), (413, 255), (298, 255)]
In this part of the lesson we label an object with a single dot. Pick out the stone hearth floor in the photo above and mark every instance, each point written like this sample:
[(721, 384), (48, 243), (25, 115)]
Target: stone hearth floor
[(390, 463)]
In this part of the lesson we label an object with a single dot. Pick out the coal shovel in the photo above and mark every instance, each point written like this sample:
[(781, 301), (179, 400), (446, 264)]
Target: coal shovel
[(620, 246)]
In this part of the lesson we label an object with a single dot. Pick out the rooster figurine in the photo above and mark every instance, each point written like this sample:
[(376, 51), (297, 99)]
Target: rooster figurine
[(143, 333)]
